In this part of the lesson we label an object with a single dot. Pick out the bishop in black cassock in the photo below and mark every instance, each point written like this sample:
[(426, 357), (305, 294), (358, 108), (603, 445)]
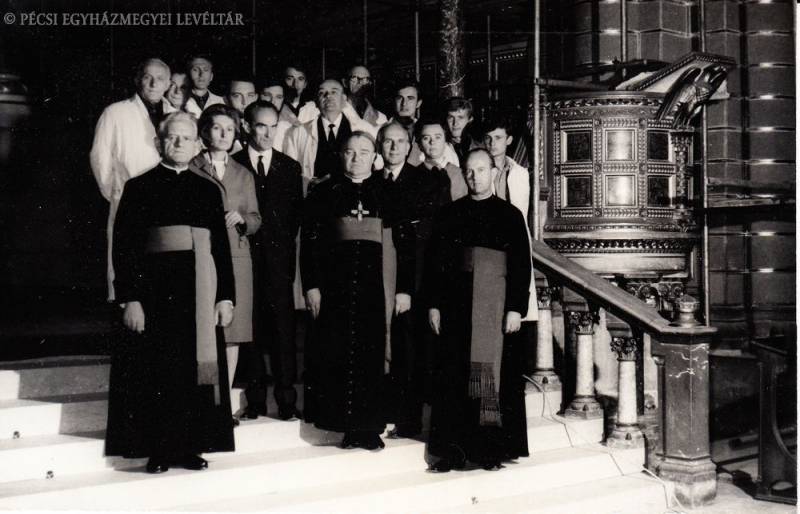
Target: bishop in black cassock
[(347, 221), (477, 275), (168, 397)]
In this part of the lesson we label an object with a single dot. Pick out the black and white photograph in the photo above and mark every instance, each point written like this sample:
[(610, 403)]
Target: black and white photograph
[(398, 256)]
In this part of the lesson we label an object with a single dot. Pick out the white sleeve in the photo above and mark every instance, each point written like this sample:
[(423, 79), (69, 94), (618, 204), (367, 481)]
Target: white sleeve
[(290, 142), (101, 156)]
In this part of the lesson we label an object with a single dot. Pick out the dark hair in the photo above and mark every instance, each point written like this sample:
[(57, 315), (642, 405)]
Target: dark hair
[(198, 56), (456, 103), (241, 78), (207, 120), (426, 120), (270, 81), (496, 120), (250, 110), (404, 83)]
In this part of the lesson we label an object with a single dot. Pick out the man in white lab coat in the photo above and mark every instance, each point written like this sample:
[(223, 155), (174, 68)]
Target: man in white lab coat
[(125, 139)]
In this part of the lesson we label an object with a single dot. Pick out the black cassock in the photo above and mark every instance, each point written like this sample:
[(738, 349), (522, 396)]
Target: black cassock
[(341, 254), (456, 429), (156, 406)]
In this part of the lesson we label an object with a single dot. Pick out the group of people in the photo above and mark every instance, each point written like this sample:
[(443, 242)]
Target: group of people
[(404, 238)]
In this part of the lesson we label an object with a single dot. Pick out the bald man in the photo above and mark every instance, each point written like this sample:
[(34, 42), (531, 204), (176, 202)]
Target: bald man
[(124, 140), (316, 143)]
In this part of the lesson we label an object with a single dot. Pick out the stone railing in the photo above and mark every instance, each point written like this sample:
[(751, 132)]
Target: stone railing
[(677, 354)]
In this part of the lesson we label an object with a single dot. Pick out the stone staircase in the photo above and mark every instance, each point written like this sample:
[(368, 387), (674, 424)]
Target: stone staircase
[(53, 415)]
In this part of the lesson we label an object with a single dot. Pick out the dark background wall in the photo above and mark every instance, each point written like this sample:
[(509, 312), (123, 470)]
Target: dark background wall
[(52, 226)]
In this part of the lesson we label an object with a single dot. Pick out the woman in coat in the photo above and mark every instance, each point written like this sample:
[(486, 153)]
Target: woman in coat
[(218, 127)]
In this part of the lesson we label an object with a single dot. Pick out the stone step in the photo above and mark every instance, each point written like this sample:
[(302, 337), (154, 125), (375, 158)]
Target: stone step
[(635, 493), (75, 413), (53, 415), (63, 455), (88, 412), (321, 479), (419, 491), (53, 376), (64, 376)]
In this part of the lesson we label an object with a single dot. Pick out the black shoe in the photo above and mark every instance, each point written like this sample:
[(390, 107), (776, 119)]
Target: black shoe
[(441, 466), (372, 441), (403, 432), (491, 465), (157, 465), (289, 412), (235, 421), (253, 411), (193, 462), (349, 441)]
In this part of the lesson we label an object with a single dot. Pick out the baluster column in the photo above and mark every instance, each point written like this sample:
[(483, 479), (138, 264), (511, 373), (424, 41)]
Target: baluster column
[(545, 375), (584, 405), (626, 433), (684, 404)]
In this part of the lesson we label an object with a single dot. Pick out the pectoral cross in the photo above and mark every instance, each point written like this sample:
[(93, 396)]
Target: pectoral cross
[(360, 211)]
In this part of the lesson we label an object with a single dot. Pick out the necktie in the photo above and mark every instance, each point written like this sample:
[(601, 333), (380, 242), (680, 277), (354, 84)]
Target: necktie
[(331, 135), (260, 167)]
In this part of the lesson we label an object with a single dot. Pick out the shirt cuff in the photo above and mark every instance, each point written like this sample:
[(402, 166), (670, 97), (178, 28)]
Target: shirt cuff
[(227, 301)]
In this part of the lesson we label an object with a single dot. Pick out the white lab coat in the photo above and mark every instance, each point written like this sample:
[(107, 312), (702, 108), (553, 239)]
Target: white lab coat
[(192, 107), (519, 192), (124, 147)]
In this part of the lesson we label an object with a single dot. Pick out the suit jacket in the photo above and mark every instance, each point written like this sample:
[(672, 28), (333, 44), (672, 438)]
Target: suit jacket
[(300, 143), (280, 197)]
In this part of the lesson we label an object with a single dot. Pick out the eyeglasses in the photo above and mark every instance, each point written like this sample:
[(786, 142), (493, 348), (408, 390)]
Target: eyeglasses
[(360, 80)]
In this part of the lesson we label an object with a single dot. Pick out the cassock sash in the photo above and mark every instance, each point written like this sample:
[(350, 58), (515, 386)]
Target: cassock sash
[(371, 229), (176, 238), (488, 268), (389, 290)]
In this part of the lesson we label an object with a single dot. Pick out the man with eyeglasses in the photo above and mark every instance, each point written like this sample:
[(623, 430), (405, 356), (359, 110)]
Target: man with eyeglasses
[(359, 85), (169, 398)]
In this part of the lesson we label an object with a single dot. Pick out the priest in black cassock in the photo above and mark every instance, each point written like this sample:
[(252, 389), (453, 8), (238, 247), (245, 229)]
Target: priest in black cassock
[(168, 396), (348, 221), (477, 275)]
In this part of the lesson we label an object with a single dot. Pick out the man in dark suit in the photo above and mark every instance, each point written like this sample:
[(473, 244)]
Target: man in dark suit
[(279, 190), (424, 191)]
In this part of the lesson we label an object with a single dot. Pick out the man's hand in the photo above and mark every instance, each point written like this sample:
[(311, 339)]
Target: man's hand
[(402, 303), (513, 322), (133, 317), (313, 300), (233, 218), (223, 313), (435, 320)]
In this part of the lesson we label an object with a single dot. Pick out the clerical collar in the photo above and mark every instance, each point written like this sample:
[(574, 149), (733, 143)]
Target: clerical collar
[(176, 168), (356, 180)]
